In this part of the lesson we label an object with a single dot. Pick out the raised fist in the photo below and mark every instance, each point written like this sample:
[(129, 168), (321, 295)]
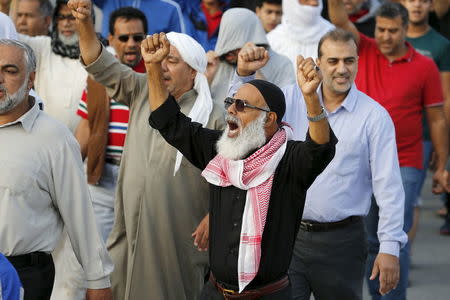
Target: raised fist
[(81, 9), (155, 48), (251, 58), (308, 75)]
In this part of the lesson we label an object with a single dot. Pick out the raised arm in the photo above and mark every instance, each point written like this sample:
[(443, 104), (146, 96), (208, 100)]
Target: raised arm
[(338, 16), (90, 46), (196, 143), (441, 7), (309, 79)]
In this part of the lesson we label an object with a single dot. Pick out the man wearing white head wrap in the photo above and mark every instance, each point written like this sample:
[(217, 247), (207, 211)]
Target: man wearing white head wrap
[(238, 27), (194, 55), (300, 30), (155, 211)]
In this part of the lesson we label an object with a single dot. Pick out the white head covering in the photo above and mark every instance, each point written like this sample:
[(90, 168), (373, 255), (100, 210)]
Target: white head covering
[(194, 55), (7, 29), (300, 30)]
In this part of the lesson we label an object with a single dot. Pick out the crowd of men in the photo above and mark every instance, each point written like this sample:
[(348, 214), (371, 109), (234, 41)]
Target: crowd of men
[(218, 149)]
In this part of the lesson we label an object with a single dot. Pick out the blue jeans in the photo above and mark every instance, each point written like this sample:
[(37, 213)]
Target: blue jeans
[(410, 178)]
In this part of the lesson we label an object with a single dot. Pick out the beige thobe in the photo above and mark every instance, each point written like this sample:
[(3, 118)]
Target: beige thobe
[(155, 212)]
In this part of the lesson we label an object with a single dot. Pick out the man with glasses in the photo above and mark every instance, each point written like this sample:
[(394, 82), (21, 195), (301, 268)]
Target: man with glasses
[(60, 77), (330, 251), (258, 176), (160, 198), (101, 135)]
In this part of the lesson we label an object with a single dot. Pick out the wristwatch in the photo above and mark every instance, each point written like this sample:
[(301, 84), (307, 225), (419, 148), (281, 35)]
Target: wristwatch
[(319, 117)]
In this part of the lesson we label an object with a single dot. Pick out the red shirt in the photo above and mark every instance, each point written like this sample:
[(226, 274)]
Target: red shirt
[(212, 21), (118, 121), (404, 88)]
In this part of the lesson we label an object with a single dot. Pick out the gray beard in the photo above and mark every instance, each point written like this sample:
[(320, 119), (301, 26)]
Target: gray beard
[(11, 101), (251, 137), (69, 40)]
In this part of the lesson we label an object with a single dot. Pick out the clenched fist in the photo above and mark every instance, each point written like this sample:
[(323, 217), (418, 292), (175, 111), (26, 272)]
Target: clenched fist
[(251, 58), (155, 48), (308, 75), (81, 9)]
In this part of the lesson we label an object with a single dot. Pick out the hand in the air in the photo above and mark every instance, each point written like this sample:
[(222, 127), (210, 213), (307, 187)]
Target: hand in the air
[(155, 48), (308, 75), (251, 58), (201, 234), (213, 65), (81, 9)]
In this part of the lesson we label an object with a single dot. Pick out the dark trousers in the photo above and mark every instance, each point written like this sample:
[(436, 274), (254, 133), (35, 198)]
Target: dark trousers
[(329, 264), (37, 277), (209, 292)]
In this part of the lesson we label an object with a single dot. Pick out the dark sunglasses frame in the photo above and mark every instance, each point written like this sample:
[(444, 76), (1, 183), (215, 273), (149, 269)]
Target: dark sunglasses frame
[(241, 104), (65, 17), (138, 37)]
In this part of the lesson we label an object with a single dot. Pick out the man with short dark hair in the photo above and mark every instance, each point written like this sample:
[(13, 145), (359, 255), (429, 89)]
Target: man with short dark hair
[(269, 13), (258, 176), (33, 17), (330, 252), (384, 73)]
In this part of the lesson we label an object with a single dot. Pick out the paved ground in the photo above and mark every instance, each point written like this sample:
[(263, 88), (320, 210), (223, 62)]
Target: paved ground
[(430, 270)]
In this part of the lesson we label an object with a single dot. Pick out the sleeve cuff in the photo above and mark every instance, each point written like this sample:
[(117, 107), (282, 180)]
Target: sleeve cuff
[(390, 247), (97, 284), (165, 114)]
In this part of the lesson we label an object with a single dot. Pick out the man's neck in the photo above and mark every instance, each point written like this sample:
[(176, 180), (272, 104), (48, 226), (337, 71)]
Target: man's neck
[(417, 30), (16, 112), (212, 9), (400, 53), (331, 100)]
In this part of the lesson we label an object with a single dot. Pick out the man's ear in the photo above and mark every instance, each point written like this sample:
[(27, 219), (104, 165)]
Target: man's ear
[(48, 21), (30, 79), (317, 62), (110, 39), (271, 119), (193, 73)]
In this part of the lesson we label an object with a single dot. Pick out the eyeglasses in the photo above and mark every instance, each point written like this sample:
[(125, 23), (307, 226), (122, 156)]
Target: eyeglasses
[(65, 17), (137, 38), (241, 104)]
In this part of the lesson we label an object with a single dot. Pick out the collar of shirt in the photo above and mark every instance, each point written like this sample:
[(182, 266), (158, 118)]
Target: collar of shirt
[(28, 118), (348, 103), (405, 58)]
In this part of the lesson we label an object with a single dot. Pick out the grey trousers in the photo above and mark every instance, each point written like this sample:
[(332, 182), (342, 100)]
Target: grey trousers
[(330, 265)]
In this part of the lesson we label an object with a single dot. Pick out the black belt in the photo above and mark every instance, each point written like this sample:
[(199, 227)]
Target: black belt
[(30, 259), (113, 161), (316, 226)]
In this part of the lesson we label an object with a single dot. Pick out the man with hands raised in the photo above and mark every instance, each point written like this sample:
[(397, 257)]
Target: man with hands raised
[(258, 177), (160, 199), (330, 252)]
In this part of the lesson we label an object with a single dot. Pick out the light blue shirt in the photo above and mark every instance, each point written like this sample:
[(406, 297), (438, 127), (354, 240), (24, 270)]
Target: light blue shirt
[(365, 163)]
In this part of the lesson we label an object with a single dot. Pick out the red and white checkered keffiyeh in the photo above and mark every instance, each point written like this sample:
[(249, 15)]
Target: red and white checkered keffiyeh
[(255, 175)]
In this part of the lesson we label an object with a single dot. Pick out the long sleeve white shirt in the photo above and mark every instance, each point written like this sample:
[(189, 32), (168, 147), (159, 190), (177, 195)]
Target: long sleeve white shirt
[(42, 189), (365, 163)]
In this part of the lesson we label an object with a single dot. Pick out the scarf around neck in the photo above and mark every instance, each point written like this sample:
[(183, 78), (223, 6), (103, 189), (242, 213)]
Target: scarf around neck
[(255, 175)]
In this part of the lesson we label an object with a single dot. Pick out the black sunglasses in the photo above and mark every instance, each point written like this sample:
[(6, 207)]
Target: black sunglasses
[(60, 17), (136, 37), (241, 104)]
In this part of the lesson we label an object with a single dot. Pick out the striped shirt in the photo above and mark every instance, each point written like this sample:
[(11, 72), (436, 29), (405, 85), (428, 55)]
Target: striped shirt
[(118, 121)]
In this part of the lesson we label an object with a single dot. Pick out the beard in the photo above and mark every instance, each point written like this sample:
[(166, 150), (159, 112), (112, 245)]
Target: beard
[(11, 101), (251, 137), (69, 40)]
